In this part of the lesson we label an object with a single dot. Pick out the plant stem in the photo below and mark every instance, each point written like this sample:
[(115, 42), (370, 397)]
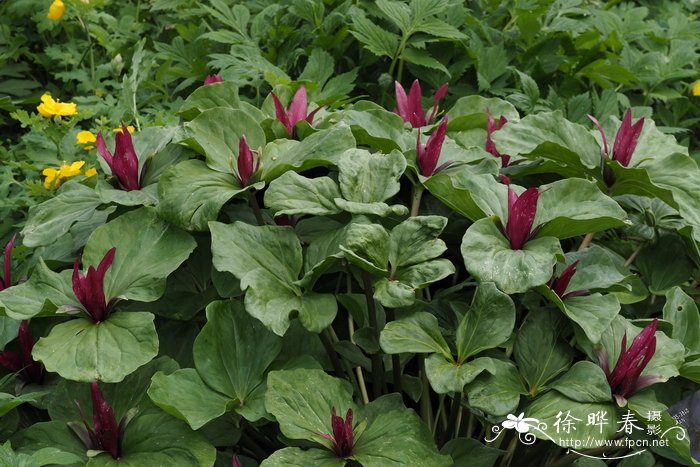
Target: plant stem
[(415, 199), (377, 370), (395, 358), (255, 207), (505, 462), (455, 415), (335, 361), (441, 407), (586, 241), (358, 369), (426, 410), (634, 254), (92, 53)]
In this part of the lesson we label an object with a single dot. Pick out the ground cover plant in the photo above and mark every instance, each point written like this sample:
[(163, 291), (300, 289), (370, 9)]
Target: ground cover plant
[(420, 232)]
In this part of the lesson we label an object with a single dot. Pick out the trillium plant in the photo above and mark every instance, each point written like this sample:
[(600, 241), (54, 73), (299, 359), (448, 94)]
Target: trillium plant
[(398, 280)]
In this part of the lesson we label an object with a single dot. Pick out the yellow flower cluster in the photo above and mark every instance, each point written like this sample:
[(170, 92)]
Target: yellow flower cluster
[(130, 128), (54, 177), (696, 88), (50, 107), (86, 137), (56, 10)]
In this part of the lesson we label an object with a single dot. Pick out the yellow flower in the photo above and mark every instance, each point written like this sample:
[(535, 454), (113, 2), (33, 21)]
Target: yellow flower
[(85, 137), (696, 88), (130, 128), (91, 172), (54, 177), (89, 147), (56, 10), (50, 107)]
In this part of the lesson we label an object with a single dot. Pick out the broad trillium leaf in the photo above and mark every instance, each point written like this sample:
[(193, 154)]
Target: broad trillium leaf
[(488, 256), (268, 260)]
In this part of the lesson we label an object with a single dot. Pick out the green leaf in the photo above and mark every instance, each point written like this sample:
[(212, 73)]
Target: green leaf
[(468, 452), (377, 127), (593, 313), (232, 352), (423, 58), (417, 333), (658, 273), (148, 251), (267, 260), (377, 40), (470, 113), (682, 312), (596, 269), (156, 438), (147, 196), (301, 401), (473, 196), (41, 295), (488, 257), (367, 246), (572, 207), (217, 133), (297, 457), (550, 136), (439, 28), (51, 219), (540, 351), (554, 408), (184, 395), (321, 149), (370, 178), (449, 376), (415, 240), (191, 194), (644, 403), (488, 323), (224, 94), (384, 441), (126, 395), (497, 390), (584, 382), (293, 194), (50, 435), (81, 350), (9, 401), (398, 13)]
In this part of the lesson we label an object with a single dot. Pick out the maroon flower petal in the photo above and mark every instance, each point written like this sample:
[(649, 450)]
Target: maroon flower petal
[(521, 215), (106, 426), (281, 114), (245, 162), (298, 107)]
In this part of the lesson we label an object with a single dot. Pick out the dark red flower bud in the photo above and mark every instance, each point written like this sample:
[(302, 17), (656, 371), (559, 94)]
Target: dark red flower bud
[(521, 214), (342, 438), (491, 127), (247, 166), (89, 288), (560, 284), (428, 155), (410, 108), (296, 112), (30, 370), (124, 163), (6, 280), (211, 79), (625, 380)]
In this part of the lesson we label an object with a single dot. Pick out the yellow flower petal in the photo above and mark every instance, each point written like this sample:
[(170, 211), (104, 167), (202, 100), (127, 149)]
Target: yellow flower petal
[(88, 148), (130, 128), (49, 107), (71, 170), (91, 172), (56, 10), (85, 137), (50, 174), (696, 88)]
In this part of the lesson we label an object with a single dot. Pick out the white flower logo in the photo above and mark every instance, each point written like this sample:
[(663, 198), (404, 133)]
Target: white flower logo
[(521, 424)]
